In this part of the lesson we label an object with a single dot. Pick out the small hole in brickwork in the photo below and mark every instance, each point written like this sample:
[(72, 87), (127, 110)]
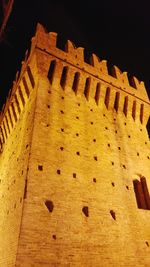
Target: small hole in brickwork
[(113, 214), (113, 184), (77, 117), (141, 130), (49, 92), (14, 181), (54, 237), (62, 130), (27, 146), (114, 119), (77, 134), (125, 123), (61, 148), (124, 166), (91, 110), (108, 145), (74, 175), (148, 157), (49, 204), (147, 244), (104, 115), (95, 158), (94, 180), (138, 154), (40, 167), (79, 104), (47, 125), (92, 122), (106, 128), (129, 136), (94, 140), (62, 97), (58, 172), (127, 187), (112, 163), (61, 111), (119, 148), (116, 131), (85, 210), (78, 153), (48, 106)]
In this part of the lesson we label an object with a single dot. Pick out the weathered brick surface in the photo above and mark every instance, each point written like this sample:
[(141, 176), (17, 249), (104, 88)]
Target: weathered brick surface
[(83, 158)]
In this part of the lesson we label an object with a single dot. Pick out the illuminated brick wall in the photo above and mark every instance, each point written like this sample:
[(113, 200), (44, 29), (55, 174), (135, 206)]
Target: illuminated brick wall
[(87, 144)]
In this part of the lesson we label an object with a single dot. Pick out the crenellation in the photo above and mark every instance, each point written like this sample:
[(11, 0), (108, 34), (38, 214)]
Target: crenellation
[(76, 53), (121, 76), (98, 68), (100, 65)]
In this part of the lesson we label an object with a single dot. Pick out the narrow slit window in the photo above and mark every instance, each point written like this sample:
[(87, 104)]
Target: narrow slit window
[(21, 96), (26, 86), (141, 113), (2, 135), (134, 110), (97, 93), (87, 88), (75, 82), (10, 117), (5, 129), (146, 193), (142, 194), (14, 112), (63, 77), (51, 71), (25, 190), (107, 97), (125, 106), (116, 103), (30, 76), (7, 124), (17, 103)]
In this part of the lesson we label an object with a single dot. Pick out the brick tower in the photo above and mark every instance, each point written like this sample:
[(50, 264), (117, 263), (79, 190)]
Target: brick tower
[(74, 163)]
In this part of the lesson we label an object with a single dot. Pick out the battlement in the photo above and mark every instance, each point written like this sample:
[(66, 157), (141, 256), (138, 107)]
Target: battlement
[(97, 68), (68, 69)]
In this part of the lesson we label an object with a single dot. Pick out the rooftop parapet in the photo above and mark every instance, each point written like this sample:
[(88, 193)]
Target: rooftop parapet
[(48, 43)]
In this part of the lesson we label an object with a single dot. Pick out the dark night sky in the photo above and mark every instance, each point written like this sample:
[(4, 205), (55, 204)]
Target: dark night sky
[(118, 31)]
